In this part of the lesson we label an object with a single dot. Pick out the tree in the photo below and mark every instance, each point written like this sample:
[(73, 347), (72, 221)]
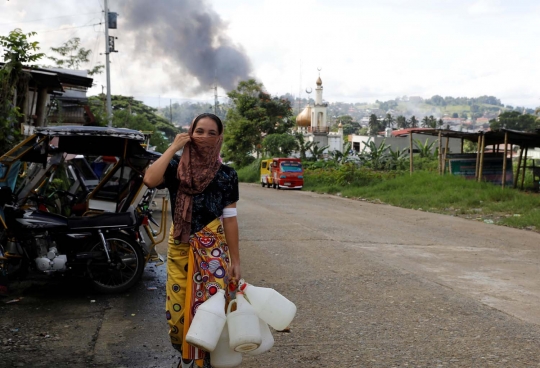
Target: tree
[(254, 114), (516, 121), (401, 122), (133, 107), (303, 146), (389, 121), (424, 149), (316, 152), (413, 123), (350, 129), (374, 125), (18, 51), (72, 55), (279, 145), (345, 119), (455, 115)]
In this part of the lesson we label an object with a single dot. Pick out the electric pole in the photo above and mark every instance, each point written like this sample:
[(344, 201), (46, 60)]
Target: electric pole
[(107, 66)]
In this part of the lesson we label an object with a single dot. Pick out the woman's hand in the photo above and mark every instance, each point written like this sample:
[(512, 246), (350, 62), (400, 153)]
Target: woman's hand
[(234, 271), (180, 141)]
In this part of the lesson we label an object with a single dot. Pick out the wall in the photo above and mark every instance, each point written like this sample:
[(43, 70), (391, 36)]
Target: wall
[(403, 142)]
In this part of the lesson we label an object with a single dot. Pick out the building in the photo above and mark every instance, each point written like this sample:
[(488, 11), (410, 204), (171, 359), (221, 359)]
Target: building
[(54, 97), (312, 122)]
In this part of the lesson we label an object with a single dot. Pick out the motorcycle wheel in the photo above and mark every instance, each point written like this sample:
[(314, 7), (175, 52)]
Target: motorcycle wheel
[(125, 269)]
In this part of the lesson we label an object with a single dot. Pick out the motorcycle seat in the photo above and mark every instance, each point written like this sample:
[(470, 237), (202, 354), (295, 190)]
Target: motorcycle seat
[(104, 221)]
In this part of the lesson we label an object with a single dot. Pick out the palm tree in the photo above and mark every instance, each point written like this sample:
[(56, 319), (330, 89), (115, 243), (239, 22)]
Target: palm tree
[(373, 124), (389, 120), (413, 122), (402, 122)]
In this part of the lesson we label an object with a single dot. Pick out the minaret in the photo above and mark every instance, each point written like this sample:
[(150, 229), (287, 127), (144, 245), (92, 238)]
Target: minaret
[(318, 117), (318, 91)]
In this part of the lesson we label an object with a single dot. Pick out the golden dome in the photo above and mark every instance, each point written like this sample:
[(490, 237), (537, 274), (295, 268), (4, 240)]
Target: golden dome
[(319, 81), (304, 118), (340, 125)]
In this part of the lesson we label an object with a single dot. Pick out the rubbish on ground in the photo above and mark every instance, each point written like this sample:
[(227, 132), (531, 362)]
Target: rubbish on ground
[(14, 300), (132, 314), (517, 215), (488, 221), (92, 301), (151, 288), (14, 330)]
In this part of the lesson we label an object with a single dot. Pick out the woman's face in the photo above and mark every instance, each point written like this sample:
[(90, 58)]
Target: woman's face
[(206, 127)]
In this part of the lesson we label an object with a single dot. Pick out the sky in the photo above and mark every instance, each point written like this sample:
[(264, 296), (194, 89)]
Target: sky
[(366, 50)]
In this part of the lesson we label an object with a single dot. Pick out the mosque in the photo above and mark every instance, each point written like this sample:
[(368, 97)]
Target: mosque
[(313, 123)]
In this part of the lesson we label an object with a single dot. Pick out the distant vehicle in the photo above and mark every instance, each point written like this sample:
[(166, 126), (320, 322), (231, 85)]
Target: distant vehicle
[(266, 173), (287, 173)]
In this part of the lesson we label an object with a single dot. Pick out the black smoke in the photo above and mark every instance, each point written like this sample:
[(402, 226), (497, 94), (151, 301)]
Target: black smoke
[(187, 36)]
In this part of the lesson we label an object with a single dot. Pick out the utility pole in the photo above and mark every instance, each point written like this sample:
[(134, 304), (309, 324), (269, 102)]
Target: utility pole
[(107, 66), (215, 99), (170, 109), (215, 92)]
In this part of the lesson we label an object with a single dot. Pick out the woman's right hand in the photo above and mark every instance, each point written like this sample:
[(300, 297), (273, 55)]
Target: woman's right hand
[(180, 141)]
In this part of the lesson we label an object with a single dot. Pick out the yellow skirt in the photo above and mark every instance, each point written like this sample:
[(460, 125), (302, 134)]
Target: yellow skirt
[(195, 272)]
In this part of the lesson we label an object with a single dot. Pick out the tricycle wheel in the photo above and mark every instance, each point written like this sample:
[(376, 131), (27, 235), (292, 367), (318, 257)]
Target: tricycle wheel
[(124, 270)]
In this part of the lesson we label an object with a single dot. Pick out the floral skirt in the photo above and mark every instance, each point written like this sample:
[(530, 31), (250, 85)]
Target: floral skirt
[(195, 272)]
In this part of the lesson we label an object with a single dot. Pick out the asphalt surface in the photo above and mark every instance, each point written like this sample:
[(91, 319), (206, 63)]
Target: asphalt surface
[(375, 286)]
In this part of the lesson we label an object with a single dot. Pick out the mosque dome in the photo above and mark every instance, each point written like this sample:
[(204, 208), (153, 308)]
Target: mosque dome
[(340, 125), (319, 81), (304, 118)]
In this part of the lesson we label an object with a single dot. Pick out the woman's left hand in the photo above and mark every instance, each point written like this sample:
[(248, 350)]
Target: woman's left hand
[(234, 271)]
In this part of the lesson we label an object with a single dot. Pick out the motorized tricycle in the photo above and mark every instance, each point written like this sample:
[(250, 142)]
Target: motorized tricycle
[(72, 201)]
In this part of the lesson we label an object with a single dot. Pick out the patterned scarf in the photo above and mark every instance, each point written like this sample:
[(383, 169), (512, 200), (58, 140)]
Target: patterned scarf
[(197, 168)]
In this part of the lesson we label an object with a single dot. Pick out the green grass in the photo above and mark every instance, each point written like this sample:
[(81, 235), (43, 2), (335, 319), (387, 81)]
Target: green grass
[(250, 173), (442, 194)]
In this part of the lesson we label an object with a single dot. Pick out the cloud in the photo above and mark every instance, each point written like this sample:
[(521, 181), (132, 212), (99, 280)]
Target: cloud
[(484, 7)]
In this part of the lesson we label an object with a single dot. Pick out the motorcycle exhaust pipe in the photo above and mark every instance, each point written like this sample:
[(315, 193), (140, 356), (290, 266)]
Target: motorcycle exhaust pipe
[(89, 255)]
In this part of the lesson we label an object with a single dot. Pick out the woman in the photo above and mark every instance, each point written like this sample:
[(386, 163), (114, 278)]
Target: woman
[(203, 254)]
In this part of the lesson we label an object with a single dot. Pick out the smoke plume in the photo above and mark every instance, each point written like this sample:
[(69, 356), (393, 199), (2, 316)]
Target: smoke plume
[(188, 37)]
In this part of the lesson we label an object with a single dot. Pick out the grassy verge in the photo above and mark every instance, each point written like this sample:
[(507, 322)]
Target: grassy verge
[(430, 192), (250, 173)]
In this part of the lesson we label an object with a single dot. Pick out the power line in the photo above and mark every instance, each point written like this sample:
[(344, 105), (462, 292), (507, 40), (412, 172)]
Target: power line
[(39, 20), (63, 29)]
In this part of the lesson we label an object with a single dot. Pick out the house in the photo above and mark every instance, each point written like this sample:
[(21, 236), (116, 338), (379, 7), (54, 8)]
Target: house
[(55, 96)]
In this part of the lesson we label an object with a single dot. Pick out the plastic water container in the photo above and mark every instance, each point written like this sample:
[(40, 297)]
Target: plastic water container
[(243, 323), (272, 307), (208, 323), (223, 356), (267, 339)]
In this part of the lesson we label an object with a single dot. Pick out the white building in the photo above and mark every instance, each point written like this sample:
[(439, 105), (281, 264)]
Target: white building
[(312, 122)]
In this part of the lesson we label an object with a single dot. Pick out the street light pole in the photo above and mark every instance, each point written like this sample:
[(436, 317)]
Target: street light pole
[(107, 66)]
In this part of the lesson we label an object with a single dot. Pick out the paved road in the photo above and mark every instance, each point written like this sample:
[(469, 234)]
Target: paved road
[(375, 286)]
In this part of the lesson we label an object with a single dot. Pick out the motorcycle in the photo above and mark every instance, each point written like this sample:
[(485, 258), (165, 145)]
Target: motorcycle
[(101, 247), (98, 234)]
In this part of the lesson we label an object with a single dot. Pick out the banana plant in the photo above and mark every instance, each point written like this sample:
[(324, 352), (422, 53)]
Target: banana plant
[(424, 149)]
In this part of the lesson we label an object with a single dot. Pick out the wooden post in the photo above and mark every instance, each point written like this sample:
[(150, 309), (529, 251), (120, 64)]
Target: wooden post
[(461, 151), (410, 152), (445, 153), (504, 159), (524, 169), (479, 144), (481, 165), (516, 179), (440, 153)]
